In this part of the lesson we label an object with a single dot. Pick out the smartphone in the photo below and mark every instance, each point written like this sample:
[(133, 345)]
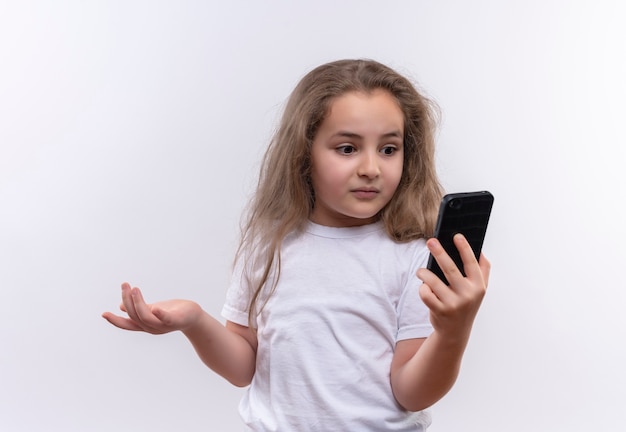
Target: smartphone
[(466, 213)]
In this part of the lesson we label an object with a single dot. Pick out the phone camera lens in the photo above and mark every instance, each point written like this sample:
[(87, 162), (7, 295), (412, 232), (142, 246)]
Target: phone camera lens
[(455, 204)]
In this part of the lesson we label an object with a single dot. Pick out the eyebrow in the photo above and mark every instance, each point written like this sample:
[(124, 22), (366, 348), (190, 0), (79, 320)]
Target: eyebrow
[(347, 134)]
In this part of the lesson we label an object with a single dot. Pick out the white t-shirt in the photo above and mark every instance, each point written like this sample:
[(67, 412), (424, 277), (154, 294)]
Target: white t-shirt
[(326, 336)]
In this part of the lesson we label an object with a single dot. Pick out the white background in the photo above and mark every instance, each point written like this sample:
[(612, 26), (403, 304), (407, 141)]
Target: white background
[(130, 135)]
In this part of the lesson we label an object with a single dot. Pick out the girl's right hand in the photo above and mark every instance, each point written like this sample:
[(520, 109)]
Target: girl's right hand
[(156, 318)]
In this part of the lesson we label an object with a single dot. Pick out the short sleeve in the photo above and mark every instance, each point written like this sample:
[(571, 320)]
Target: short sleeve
[(413, 314), (237, 302)]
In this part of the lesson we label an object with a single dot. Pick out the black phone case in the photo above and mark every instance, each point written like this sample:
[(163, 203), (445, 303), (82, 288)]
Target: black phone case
[(466, 213)]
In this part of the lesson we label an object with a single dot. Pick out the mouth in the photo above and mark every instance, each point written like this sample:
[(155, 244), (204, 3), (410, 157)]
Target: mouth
[(365, 193)]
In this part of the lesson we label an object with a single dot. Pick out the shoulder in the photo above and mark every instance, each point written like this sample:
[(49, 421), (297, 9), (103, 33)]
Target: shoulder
[(415, 251)]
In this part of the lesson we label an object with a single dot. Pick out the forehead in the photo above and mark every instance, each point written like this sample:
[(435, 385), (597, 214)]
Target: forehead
[(361, 109)]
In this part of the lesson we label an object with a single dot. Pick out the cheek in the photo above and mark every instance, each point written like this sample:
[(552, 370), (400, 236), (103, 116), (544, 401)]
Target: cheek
[(321, 180), (328, 174)]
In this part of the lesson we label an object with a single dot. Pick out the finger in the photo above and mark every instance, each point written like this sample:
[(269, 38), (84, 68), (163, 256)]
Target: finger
[(121, 322), (447, 264), (470, 265), (429, 297), (431, 282), (127, 302), (144, 313), (485, 268)]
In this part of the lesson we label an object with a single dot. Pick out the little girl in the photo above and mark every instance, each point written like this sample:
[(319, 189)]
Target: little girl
[(331, 319)]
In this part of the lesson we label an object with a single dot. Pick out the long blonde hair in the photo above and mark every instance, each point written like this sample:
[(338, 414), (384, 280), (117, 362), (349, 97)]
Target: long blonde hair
[(284, 197)]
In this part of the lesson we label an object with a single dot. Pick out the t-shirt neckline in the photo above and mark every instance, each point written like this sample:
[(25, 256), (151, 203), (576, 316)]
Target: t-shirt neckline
[(342, 232)]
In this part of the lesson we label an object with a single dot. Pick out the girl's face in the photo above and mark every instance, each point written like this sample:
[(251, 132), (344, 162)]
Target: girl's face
[(357, 158)]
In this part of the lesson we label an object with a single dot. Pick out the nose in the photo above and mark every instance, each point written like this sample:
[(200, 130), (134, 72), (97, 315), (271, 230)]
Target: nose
[(368, 165)]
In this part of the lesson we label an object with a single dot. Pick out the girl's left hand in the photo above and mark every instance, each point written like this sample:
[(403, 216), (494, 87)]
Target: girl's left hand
[(454, 307)]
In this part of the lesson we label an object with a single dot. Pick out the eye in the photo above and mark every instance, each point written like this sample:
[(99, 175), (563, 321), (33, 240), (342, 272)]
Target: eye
[(346, 149), (388, 150)]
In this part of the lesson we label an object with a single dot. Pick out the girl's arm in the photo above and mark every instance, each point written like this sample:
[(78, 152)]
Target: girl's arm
[(228, 350), (424, 370)]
